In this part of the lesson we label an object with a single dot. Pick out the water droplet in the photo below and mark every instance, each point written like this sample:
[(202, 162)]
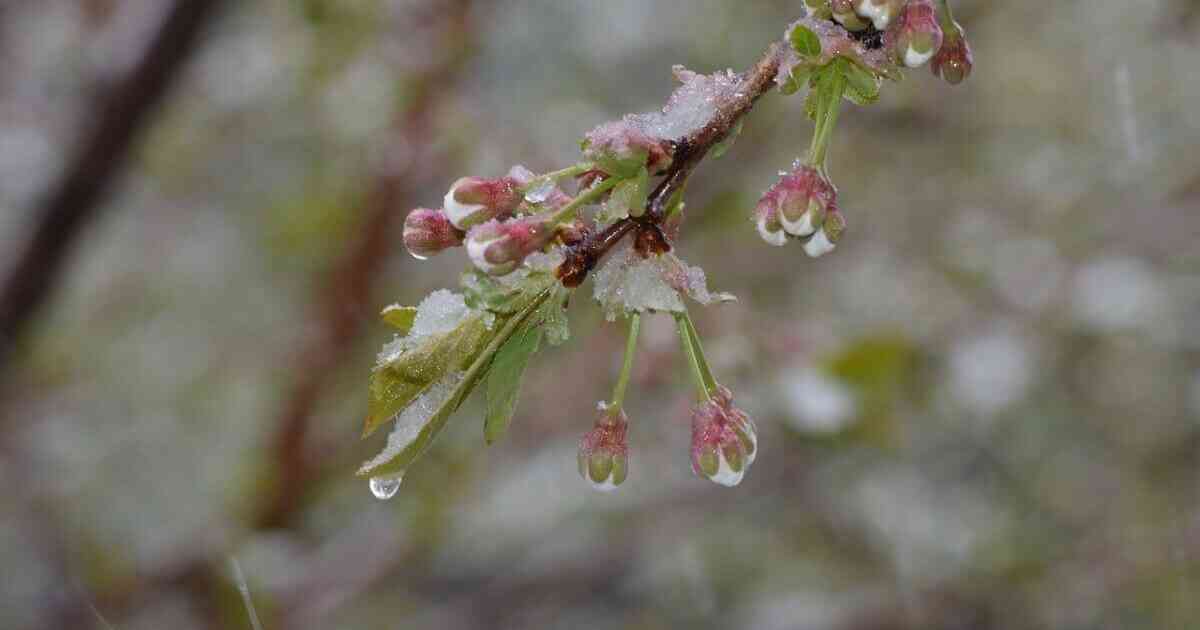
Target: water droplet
[(385, 488), (417, 256), (540, 192)]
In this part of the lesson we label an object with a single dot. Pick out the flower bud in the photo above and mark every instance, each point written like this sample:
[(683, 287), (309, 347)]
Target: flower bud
[(604, 452), (953, 61), (724, 440), (796, 205), (475, 200), (825, 240), (623, 141), (498, 248), (428, 232), (880, 12), (916, 35)]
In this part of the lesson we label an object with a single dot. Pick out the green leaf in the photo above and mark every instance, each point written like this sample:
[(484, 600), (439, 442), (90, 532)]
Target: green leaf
[(399, 317), (628, 197), (504, 381), (395, 385), (862, 86), (622, 168), (398, 462), (798, 78), (804, 41), (486, 293)]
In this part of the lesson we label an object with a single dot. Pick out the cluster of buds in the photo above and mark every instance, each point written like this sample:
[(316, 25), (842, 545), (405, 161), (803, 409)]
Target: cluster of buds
[(724, 440), (497, 219), (910, 32), (604, 451), (802, 204)]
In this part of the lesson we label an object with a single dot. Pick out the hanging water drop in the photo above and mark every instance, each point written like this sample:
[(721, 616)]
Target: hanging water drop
[(385, 488), (417, 256), (540, 192)]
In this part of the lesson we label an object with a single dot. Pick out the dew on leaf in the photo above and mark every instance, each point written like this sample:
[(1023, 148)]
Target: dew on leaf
[(385, 488)]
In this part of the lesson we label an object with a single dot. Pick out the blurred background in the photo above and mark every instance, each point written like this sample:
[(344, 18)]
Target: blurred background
[(983, 411)]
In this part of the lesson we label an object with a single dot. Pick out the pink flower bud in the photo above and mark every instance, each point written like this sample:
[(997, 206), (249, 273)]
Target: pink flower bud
[(428, 232), (724, 440), (797, 206), (954, 61), (475, 200), (498, 248), (623, 141), (916, 34), (604, 451)]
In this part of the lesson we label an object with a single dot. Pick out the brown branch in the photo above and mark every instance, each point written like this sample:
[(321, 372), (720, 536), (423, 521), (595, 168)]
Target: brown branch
[(76, 198), (346, 299), (689, 153)]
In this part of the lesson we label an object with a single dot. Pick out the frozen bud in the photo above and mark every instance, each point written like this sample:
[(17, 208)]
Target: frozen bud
[(620, 143), (428, 232), (724, 440), (604, 451), (798, 203), (475, 200), (879, 12), (498, 248), (825, 240), (916, 34), (953, 61)]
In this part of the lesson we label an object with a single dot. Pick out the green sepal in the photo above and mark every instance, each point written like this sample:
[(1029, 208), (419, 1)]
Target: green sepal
[(804, 41)]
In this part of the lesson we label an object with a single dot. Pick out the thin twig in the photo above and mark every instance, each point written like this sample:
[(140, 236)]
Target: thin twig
[(689, 153)]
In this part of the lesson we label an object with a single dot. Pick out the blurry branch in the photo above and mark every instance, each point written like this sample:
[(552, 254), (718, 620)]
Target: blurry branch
[(77, 196), (345, 301), (342, 308)]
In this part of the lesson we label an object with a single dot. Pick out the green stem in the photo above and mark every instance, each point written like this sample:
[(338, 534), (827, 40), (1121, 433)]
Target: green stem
[(827, 114), (584, 198), (950, 29), (554, 176), (635, 323), (706, 385)]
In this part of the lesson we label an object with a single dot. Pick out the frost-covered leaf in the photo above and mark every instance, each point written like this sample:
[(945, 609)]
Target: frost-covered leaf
[(420, 421), (399, 317), (434, 347), (691, 106), (504, 380), (627, 283)]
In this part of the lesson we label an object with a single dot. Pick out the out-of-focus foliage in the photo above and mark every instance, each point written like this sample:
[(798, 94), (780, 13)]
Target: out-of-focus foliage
[(982, 410)]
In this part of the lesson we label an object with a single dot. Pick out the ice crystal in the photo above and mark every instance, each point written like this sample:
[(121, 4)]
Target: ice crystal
[(629, 283), (691, 106), (439, 313)]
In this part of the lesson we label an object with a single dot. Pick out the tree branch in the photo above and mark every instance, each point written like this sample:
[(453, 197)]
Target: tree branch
[(76, 198), (689, 153)]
